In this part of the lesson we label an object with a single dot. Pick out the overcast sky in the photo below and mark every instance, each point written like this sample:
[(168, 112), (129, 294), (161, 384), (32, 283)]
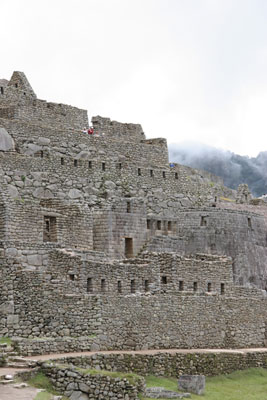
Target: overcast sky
[(185, 69)]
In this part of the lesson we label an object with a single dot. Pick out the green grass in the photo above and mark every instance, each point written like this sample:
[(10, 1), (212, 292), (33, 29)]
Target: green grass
[(44, 396), (40, 381), (250, 384), (6, 340)]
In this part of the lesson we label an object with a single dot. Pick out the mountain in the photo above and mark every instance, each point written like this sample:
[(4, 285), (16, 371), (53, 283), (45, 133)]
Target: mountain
[(233, 168)]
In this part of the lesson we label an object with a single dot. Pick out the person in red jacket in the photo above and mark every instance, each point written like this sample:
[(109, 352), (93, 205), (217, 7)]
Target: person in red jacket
[(90, 131)]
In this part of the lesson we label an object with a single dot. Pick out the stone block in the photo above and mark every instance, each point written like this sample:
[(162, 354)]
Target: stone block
[(6, 141), (192, 383)]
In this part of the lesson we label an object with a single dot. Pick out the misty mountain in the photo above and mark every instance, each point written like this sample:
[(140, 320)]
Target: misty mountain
[(233, 168)]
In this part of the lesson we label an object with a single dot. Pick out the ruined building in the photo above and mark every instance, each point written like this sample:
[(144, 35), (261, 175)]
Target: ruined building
[(106, 245)]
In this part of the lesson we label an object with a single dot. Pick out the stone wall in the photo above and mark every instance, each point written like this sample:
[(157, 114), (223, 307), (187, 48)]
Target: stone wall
[(95, 384), (158, 301), (174, 363)]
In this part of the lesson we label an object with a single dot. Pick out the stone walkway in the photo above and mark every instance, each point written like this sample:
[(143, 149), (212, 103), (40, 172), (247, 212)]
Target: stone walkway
[(170, 351)]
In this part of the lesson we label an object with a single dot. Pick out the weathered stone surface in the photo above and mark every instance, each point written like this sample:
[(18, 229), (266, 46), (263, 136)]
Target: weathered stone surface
[(6, 140), (161, 393), (192, 383)]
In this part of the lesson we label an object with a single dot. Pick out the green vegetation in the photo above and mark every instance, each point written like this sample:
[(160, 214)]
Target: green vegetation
[(43, 396), (6, 340), (250, 384), (131, 377)]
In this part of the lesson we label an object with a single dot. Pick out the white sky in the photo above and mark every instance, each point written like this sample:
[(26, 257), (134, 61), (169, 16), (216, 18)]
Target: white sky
[(185, 69)]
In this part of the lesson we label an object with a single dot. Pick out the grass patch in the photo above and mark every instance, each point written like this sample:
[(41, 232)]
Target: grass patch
[(250, 384), (43, 396), (40, 381), (131, 377), (6, 340)]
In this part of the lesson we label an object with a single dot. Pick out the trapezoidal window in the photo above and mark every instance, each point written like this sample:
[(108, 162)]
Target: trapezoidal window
[(164, 280), (128, 251), (176, 175), (203, 221), (139, 172), (181, 286), (164, 174), (103, 166), (50, 229), (151, 173), (90, 164), (75, 163), (195, 286), (62, 161), (89, 287)]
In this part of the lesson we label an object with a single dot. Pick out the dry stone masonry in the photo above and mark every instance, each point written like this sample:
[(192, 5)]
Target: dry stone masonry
[(104, 244)]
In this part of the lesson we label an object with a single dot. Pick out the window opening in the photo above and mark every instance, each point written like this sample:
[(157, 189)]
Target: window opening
[(222, 288), (128, 247), (128, 207), (195, 286), (176, 175), (42, 154), (139, 172), (62, 161), (103, 166), (181, 285), (89, 285), (164, 280), (119, 166), (103, 285), (169, 225), (133, 288), (209, 287), (151, 173), (203, 221), (164, 174), (119, 287), (16, 85), (89, 164), (75, 163), (146, 286), (50, 229), (2, 90), (249, 223), (148, 223), (158, 225), (71, 276)]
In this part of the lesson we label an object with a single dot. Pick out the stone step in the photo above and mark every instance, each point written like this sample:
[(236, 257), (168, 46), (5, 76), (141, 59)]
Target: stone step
[(5, 382)]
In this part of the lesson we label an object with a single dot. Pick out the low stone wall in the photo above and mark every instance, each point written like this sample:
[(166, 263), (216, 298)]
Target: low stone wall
[(173, 364), (96, 384), (31, 347)]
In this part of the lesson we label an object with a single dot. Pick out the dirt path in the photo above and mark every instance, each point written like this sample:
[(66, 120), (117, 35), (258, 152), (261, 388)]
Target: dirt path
[(8, 392), (170, 351)]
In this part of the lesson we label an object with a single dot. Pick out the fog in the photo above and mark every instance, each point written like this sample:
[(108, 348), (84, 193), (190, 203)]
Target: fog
[(233, 168)]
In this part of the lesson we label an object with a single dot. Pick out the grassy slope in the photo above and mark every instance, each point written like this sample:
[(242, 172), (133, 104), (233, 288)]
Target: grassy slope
[(241, 385)]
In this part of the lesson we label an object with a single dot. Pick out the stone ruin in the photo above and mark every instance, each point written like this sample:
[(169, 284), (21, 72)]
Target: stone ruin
[(104, 244)]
